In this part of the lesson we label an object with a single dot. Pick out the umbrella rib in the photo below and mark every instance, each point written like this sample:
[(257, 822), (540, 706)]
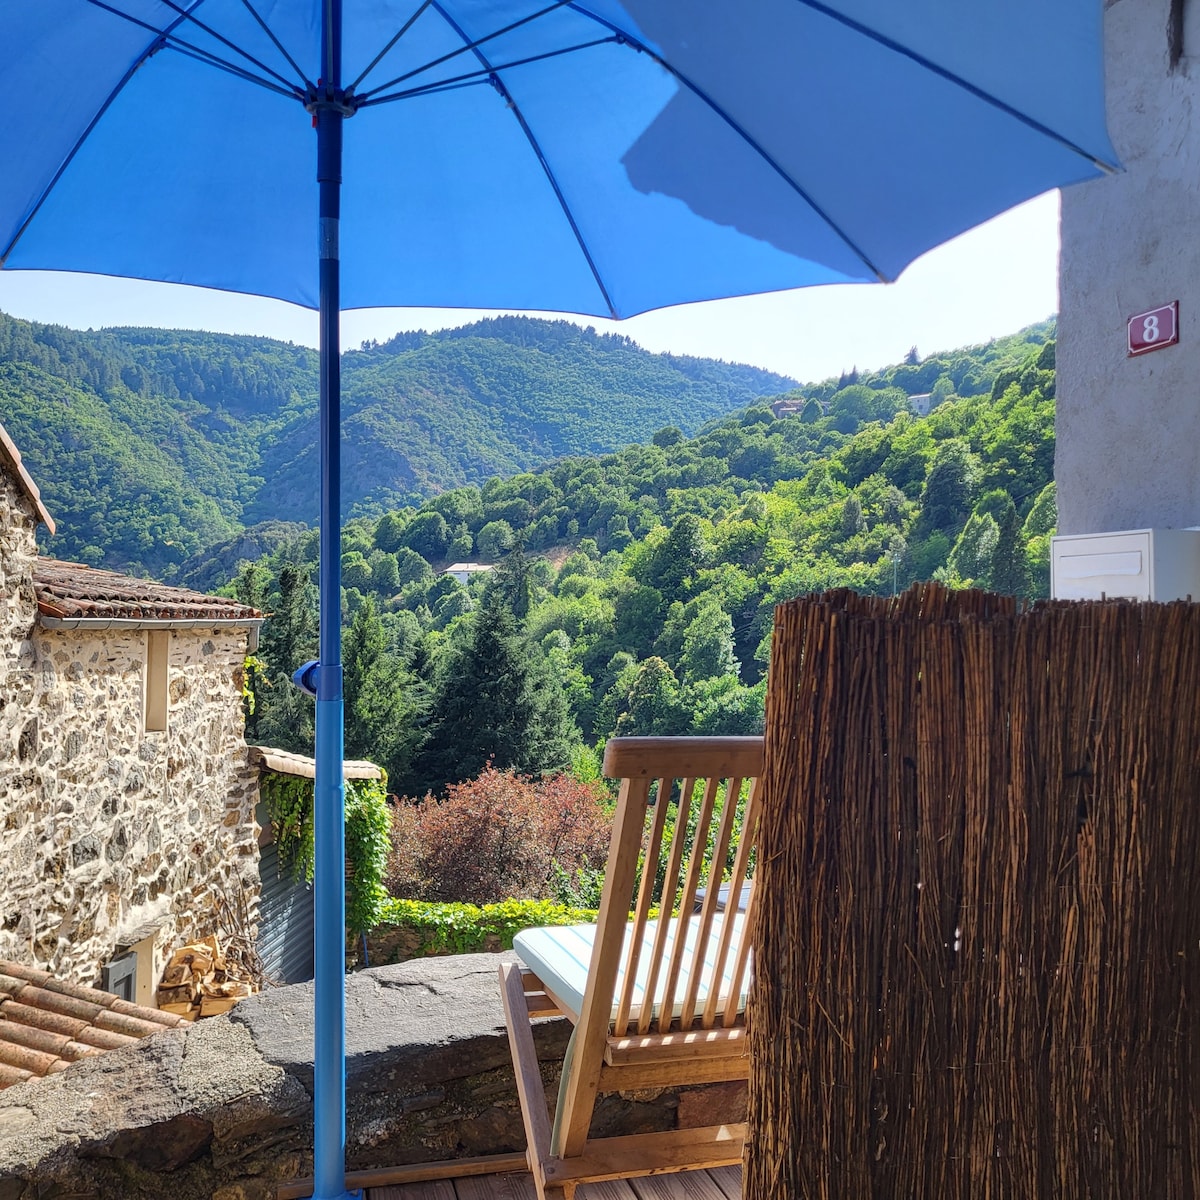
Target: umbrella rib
[(212, 60), (387, 49), (278, 44), (957, 80), (468, 45), (456, 81), (754, 145), (190, 15), (166, 38), (537, 149)]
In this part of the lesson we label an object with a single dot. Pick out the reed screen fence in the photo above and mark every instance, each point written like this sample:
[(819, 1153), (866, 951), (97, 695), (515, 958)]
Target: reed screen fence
[(977, 968)]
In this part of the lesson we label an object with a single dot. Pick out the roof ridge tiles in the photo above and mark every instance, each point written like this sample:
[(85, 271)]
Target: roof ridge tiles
[(41, 1018), (78, 992), (21, 971), (35, 1039), (46, 1024), (105, 1039), (10, 1075), (36, 1061), (68, 1006)]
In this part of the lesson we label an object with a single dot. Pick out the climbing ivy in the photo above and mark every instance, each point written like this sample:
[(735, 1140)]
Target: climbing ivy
[(367, 849), (289, 801)]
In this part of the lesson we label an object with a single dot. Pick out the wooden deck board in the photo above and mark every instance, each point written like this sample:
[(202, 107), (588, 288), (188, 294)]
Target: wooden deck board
[(687, 1185), (729, 1180), (720, 1183), (433, 1189)]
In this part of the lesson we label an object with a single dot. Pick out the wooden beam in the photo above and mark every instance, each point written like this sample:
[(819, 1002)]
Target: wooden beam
[(541, 1005), (681, 1072), (683, 757), (651, 1154), (454, 1168), (670, 1047)]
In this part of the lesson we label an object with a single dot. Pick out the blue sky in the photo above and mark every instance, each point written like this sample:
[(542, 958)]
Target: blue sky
[(987, 283)]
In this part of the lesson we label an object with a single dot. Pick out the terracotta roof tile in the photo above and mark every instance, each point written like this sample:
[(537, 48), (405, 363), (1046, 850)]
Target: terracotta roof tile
[(46, 1024), (70, 590), (284, 762), (10, 456)]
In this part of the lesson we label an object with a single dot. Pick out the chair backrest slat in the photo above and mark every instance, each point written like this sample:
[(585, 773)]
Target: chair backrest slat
[(670, 894), (687, 899), (737, 880), (740, 960), (712, 904), (693, 957), (645, 901)]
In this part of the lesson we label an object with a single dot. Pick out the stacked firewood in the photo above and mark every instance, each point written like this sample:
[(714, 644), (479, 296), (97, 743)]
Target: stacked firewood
[(201, 981)]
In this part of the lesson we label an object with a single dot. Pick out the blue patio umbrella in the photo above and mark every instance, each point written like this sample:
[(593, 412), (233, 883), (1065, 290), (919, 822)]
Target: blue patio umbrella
[(587, 156)]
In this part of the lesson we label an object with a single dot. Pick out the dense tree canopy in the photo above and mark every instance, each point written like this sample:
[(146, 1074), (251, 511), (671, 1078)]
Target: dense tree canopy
[(639, 597), (152, 446)]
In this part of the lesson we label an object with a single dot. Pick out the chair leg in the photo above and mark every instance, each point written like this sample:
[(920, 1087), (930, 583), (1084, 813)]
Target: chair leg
[(530, 1089)]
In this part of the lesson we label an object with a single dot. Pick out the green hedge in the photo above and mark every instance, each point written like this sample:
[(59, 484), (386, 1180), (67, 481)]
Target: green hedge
[(466, 928)]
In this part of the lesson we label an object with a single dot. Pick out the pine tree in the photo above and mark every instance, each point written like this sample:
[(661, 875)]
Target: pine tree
[(379, 699), (250, 587), (1009, 572), (289, 639), (497, 699)]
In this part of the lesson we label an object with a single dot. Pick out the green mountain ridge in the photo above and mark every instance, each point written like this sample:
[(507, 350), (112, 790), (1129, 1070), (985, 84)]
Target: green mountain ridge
[(150, 446), (642, 583)]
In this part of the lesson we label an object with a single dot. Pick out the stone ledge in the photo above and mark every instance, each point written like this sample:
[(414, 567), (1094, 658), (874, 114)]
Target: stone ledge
[(223, 1109)]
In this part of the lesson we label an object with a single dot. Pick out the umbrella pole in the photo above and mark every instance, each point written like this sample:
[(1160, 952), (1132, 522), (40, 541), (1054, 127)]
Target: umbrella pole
[(329, 1053)]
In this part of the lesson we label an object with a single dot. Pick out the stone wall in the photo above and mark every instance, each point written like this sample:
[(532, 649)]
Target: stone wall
[(18, 549), (108, 833), (1128, 448), (223, 1109)]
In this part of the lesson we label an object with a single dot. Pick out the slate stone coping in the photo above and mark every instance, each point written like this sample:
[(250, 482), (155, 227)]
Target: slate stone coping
[(425, 1021), (222, 1109), (226, 1103), (46, 1024)]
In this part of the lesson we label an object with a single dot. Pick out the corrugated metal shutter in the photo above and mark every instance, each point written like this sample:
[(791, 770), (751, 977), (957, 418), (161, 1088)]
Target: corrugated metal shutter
[(285, 926)]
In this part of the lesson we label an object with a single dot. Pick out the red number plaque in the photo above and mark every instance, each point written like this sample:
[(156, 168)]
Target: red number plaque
[(1154, 329)]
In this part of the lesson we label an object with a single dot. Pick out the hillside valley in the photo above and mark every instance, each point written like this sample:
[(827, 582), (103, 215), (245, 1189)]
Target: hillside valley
[(632, 592), (152, 446)]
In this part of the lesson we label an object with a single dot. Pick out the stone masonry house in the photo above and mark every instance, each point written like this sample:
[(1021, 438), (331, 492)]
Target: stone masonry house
[(126, 795)]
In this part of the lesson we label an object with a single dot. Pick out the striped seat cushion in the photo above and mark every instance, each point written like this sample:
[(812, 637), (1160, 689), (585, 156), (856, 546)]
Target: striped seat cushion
[(559, 957)]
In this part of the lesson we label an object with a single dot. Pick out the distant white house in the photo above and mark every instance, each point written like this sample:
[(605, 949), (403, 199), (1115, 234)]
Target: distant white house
[(921, 404), (463, 571)]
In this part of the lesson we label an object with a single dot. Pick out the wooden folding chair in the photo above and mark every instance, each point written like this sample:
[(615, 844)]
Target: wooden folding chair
[(655, 1001)]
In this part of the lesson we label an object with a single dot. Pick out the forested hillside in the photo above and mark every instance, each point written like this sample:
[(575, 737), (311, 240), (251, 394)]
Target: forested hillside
[(151, 446), (633, 591)]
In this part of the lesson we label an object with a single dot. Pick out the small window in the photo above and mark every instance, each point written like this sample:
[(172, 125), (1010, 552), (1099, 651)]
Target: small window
[(156, 681), (120, 976)]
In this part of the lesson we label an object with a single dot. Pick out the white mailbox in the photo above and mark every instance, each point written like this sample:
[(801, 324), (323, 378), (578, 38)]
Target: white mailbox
[(1141, 564)]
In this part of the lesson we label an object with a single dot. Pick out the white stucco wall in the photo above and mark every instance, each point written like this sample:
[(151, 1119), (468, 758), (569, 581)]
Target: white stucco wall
[(106, 829), (1128, 446)]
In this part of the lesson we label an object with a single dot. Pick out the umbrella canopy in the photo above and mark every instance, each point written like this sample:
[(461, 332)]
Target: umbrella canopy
[(583, 156), (570, 155)]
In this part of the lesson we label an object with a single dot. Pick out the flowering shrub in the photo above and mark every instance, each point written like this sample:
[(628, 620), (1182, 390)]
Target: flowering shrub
[(498, 836)]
